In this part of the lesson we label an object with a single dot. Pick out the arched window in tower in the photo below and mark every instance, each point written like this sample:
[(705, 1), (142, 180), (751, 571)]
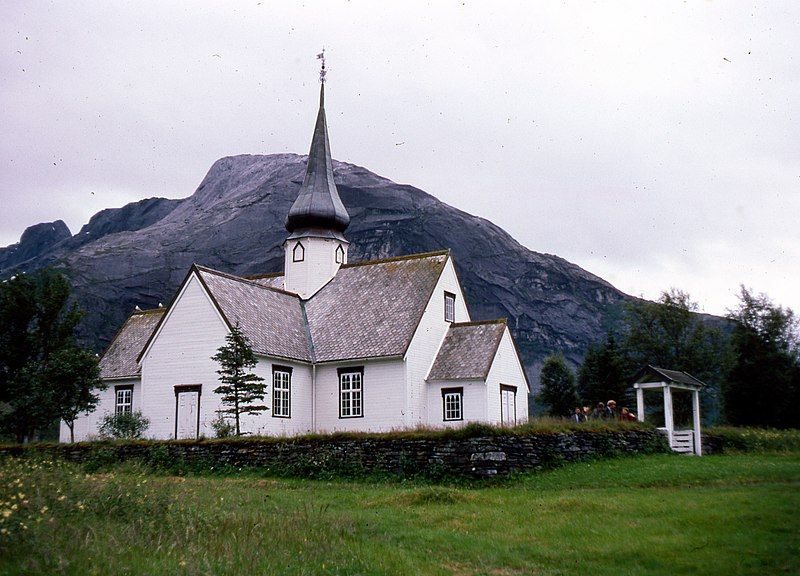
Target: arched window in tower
[(339, 254), (298, 253)]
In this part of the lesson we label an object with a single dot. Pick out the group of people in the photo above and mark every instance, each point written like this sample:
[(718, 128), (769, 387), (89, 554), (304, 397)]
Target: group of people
[(607, 411)]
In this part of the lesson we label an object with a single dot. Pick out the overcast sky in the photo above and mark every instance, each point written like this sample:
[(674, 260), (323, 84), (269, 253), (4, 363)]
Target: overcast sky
[(654, 144)]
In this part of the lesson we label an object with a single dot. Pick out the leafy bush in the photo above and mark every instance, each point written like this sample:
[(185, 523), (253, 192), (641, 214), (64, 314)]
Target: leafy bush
[(223, 428), (756, 439), (128, 425)]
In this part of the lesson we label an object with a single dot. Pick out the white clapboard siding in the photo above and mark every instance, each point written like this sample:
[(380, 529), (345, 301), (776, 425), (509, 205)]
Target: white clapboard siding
[(383, 397), (87, 425), (473, 404), (426, 342), (506, 370), (316, 268), (180, 355)]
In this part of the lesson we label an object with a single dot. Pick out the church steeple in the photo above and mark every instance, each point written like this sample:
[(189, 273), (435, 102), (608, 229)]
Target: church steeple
[(318, 204), (316, 248)]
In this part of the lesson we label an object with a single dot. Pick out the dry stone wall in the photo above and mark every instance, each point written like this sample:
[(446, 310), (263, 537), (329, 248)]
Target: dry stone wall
[(319, 457)]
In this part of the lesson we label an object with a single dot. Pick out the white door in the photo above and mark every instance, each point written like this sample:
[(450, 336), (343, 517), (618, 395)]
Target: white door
[(186, 412), (508, 405)]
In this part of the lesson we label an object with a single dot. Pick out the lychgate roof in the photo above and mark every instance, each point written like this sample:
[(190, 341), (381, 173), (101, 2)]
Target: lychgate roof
[(119, 360), (271, 319), (655, 374), (468, 350), (372, 309)]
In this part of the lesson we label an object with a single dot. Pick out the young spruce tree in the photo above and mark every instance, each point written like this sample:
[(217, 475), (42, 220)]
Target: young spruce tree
[(241, 390)]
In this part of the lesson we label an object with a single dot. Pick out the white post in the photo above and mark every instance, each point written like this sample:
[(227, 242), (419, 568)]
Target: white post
[(640, 404), (669, 424), (698, 440)]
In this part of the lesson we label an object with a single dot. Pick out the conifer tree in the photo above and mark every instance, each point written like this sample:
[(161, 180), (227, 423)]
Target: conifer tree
[(558, 386), (241, 390), (604, 374)]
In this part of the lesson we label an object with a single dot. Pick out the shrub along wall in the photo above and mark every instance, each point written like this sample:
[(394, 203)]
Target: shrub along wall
[(433, 456)]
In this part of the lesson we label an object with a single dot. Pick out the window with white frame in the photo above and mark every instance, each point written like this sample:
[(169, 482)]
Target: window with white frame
[(449, 307), (339, 254), (452, 403), (281, 392), (298, 253), (351, 392), (123, 399)]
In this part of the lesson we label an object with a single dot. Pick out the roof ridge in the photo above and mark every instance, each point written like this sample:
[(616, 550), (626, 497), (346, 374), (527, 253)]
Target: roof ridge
[(261, 276), (398, 258), (244, 280), (479, 322), (148, 311)]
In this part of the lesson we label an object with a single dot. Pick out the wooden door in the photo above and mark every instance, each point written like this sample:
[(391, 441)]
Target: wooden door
[(187, 412), (508, 405)]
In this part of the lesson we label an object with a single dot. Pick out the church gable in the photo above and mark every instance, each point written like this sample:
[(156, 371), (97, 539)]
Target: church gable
[(468, 351), (271, 319), (192, 318)]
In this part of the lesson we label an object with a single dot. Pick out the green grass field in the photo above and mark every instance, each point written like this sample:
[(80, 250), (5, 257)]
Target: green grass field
[(663, 514)]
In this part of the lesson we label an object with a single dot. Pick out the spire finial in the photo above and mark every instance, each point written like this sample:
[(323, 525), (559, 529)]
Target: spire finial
[(322, 71)]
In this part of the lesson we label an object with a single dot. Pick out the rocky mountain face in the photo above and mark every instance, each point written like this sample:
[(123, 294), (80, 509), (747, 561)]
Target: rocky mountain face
[(139, 254), (36, 240)]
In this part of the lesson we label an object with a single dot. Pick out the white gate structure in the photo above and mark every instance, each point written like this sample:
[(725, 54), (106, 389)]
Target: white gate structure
[(649, 378)]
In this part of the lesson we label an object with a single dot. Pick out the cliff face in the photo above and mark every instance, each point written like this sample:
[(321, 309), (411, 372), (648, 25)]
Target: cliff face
[(138, 254), (36, 240)]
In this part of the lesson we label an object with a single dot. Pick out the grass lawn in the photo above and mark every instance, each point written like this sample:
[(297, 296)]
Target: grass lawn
[(663, 514)]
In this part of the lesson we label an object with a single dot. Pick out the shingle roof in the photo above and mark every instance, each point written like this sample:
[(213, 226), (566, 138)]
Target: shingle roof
[(268, 280), (119, 360), (270, 318), (467, 351), (372, 309), (653, 373), (368, 310)]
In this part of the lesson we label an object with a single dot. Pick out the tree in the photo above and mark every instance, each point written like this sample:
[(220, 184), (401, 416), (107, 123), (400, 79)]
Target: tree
[(604, 373), (558, 386), (670, 334), (763, 384), (76, 374), (38, 352), (241, 390)]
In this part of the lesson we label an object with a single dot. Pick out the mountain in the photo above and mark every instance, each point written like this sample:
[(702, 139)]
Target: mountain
[(36, 240), (138, 254)]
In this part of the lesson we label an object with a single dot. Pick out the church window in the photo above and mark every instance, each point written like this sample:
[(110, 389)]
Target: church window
[(449, 307), (123, 399), (452, 403), (298, 253), (281, 391), (351, 392), (339, 254)]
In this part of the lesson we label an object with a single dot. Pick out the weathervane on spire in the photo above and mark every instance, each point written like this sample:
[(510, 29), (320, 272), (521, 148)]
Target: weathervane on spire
[(322, 71)]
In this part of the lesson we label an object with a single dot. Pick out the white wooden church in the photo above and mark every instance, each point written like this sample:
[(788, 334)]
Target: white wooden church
[(366, 346)]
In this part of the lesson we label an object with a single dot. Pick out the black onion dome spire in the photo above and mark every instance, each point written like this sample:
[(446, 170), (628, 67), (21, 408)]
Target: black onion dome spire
[(318, 204)]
